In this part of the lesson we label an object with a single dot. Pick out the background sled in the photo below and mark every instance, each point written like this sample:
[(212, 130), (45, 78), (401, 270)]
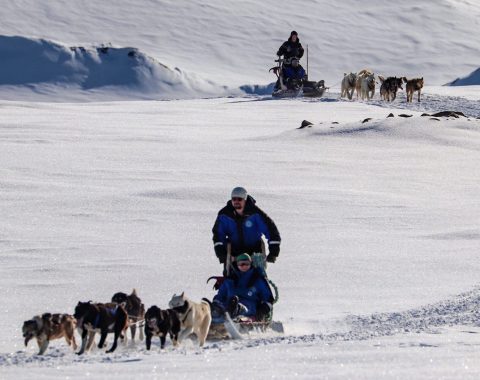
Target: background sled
[(304, 88)]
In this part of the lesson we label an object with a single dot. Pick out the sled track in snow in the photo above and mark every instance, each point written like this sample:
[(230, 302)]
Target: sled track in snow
[(461, 310)]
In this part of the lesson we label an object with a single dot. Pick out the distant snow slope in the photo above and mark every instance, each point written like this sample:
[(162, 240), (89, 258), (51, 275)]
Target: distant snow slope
[(234, 42), (97, 73), (471, 79)]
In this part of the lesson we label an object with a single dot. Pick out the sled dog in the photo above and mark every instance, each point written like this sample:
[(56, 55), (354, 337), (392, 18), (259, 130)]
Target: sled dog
[(348, 85), (47, 327), (134, 308), (194, 317), (102, 318), (367, 87), (390, 86), (415, 84), (358, 83), (160, 323)]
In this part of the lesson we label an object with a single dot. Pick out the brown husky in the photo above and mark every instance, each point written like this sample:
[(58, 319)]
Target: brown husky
[(413, 85), (48, 327)]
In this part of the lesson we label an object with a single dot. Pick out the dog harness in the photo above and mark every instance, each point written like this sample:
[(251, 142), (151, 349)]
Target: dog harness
[(186, 315), (111, 311)]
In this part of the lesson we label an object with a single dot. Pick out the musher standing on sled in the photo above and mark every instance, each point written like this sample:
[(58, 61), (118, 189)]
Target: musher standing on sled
[(292, 51), (291, 48), (241, 224)]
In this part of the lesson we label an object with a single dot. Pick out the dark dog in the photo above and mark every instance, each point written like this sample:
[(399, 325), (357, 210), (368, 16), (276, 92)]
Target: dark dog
[(48, 327), (135, 310), (390, 86), (103, 318), (160, 323), (415, 84)]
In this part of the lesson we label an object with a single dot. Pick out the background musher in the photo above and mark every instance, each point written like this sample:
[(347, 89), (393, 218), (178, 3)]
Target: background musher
[(291, 48)]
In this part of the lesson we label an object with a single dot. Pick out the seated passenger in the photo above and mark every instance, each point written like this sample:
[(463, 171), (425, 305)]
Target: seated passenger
[(295, 71), (245, 293)]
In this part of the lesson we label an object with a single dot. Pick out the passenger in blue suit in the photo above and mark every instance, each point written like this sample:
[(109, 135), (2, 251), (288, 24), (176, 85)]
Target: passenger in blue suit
[(241, 224), (245, 292)]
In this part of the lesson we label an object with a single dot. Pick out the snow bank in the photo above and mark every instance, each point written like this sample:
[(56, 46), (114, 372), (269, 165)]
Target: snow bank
[(39, 68), (471, 79)]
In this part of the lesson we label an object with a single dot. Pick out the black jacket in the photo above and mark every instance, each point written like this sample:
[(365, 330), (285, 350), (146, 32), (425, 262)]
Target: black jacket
[(291, 49)]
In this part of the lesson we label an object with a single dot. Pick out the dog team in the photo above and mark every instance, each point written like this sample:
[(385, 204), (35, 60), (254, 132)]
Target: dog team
[(364, 82), (183, 318)]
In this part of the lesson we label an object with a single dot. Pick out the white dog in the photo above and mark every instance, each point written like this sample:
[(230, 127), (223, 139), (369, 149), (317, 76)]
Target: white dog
[(195, 318), (358, 84), (348, 85), (367, 89)]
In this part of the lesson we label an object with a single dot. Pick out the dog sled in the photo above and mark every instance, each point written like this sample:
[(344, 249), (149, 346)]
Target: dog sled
[(295, 87), (223, 326)]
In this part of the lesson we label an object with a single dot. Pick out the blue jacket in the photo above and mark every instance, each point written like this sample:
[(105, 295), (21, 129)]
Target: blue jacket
[(290, 72), (251, 288), (244, 232)]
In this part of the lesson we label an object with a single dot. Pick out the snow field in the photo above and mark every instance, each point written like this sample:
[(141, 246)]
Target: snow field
[(374, 221)]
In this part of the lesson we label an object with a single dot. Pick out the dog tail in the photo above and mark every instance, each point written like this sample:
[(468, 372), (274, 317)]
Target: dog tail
[(382, 79), (207, 301)]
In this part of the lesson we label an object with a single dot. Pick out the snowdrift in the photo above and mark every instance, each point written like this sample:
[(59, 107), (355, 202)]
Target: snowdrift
[(427, 130), (37, 68), (471, 79)]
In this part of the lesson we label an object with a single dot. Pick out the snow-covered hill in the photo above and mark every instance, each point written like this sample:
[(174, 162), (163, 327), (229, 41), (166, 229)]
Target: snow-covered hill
[(41, 69), (234, 43), (471, 79)]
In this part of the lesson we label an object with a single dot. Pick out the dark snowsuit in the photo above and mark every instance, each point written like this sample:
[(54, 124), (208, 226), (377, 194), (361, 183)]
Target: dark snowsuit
[(291, 72), (290, 49), (293, 75), (244, 232), (250, 287)]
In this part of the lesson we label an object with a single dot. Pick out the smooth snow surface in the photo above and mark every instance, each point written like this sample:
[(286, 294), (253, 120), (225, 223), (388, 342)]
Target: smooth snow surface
[(379, 221)]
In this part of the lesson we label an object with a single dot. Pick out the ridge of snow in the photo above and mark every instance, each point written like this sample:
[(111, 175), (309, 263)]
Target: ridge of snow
[(471, 79), (52, 70)]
